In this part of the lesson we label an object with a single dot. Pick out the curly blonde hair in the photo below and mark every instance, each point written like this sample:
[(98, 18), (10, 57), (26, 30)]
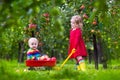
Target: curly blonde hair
[(78, 20)]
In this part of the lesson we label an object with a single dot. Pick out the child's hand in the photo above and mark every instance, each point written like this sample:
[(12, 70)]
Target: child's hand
[(73, 50)]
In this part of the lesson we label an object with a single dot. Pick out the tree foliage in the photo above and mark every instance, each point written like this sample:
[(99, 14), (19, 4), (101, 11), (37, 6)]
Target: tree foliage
[(52, 18)]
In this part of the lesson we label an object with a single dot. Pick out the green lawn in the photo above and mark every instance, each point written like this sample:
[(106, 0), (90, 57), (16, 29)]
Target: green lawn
[(11, 70)]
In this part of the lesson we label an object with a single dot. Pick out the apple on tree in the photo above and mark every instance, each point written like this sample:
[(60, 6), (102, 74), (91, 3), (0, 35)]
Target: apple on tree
[(32, 26)]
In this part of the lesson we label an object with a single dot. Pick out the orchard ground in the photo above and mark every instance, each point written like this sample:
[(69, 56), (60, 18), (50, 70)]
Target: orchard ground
[(14, 70)]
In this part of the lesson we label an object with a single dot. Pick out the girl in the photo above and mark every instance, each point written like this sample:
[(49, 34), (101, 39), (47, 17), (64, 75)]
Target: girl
[(76, 42)]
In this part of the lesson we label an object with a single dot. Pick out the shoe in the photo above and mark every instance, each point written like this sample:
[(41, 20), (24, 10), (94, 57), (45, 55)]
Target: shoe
[(77, 66), (82, 66)]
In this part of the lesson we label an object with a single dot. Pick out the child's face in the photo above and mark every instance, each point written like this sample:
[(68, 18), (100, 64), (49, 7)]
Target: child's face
[(73, 24), (33, 44)]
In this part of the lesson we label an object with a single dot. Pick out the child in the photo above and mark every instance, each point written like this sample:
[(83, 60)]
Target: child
[(33, 53), (76, 42)]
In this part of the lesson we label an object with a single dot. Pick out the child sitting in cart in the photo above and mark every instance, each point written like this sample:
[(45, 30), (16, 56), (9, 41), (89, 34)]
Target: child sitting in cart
[(33, 53)]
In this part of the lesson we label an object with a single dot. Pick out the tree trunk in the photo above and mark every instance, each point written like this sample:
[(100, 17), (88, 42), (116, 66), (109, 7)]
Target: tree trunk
[(90, 56), (33, 35), (21, 52), (95, 51), (102, 59), (100, 53)]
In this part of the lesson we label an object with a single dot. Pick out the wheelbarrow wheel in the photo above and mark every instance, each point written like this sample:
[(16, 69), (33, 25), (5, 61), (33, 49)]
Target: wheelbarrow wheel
[(31, 68)]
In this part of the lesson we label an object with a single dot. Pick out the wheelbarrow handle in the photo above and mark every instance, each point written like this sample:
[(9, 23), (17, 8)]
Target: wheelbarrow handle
[(73, 51)]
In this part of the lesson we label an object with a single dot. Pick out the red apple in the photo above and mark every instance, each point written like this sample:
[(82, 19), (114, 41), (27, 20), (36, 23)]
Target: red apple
[(46, 58), (47, 19), (85, 16), (40, 44), (94, 22), (32, 26), (53, 58), (82, 7), (46, 14), (37, 33)]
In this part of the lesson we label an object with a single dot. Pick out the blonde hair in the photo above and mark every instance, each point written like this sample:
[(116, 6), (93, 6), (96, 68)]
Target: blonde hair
[(78, 20), (32, 39)]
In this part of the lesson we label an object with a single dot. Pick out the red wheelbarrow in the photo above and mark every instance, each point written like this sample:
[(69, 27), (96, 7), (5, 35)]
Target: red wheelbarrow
[(41, 63)]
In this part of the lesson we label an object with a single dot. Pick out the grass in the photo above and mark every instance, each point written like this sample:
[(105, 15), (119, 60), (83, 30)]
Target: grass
[(18, 71)]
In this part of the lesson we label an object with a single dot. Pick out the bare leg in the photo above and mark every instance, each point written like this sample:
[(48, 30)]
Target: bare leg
[(78, 58)]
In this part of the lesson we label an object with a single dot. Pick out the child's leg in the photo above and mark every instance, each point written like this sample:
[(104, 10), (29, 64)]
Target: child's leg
[(30, 57), (81, 63), (79, 58), (37, 56)]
